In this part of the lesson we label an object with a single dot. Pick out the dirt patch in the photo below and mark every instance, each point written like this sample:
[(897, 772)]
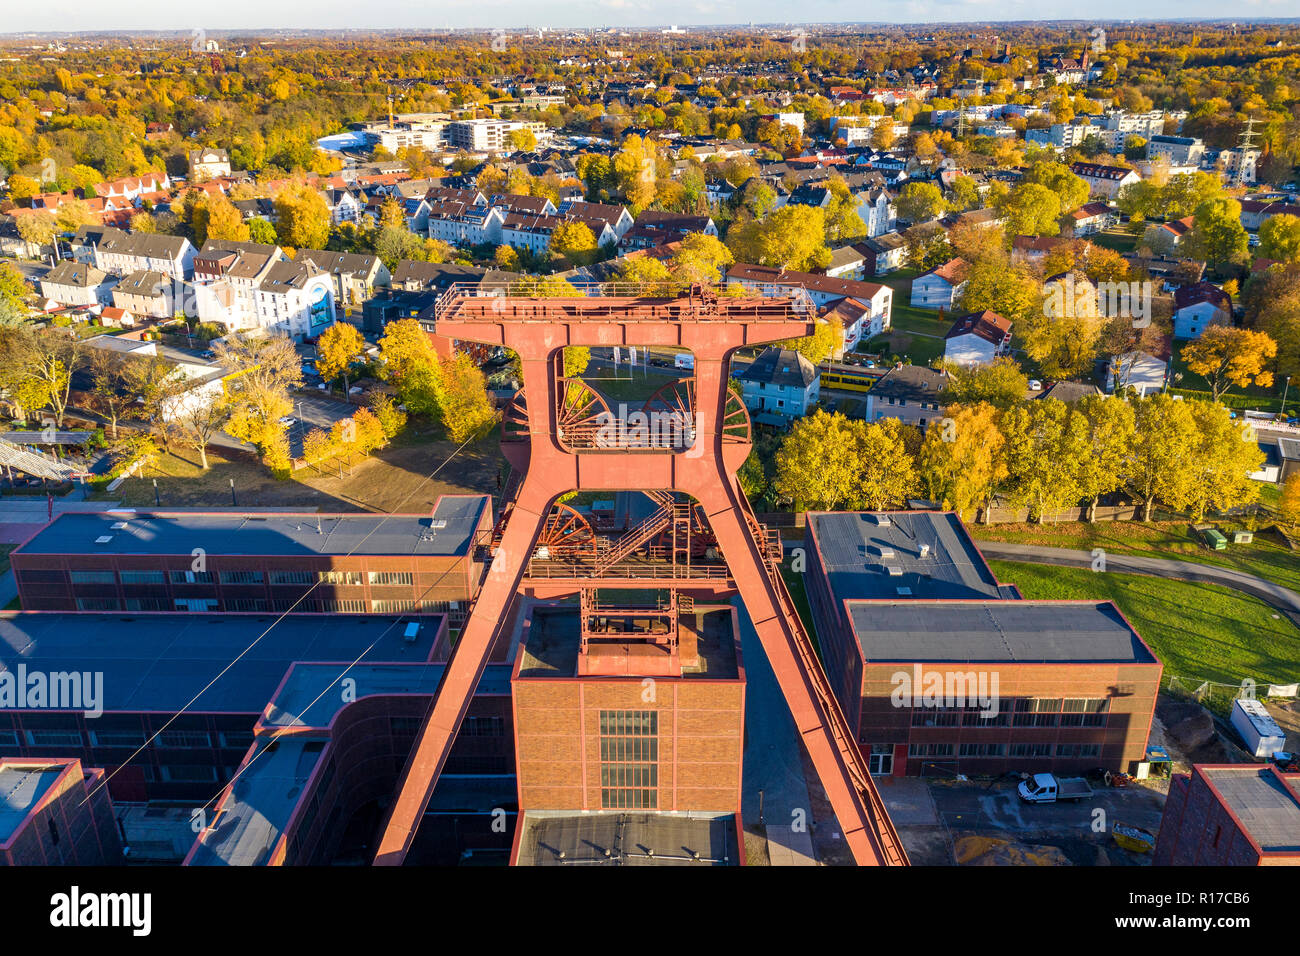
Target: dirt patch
[(396, 478), (979, 850)]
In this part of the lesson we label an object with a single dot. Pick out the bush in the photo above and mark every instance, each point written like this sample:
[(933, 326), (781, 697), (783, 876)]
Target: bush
[(391, 418)]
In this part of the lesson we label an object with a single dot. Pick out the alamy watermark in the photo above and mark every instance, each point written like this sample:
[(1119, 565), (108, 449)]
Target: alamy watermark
[(920, 688), (23, 689)]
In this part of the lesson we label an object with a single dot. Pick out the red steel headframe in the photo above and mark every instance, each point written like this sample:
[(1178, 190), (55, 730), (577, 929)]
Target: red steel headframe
[(712, 328)]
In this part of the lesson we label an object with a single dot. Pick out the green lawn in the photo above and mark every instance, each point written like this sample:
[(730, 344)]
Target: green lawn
[(1187, 382), (1198, 631), (794, 584), (1265, 557), (1117, 239)]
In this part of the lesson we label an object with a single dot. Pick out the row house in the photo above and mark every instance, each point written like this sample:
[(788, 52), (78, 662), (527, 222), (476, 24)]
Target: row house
[(618, 218), (534, 232), (355, 275), (1102, 180), (132, 188), (295, 299), (226, 274), (145, 294), (864, 308), (462, 224), (345, 205), (72, 283), (121, 254)]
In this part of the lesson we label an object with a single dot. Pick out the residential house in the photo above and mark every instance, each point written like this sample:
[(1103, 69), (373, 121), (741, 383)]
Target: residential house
[(226, 275), (779, 386), (619, 219), (909, 393), (847, 262), (823, 290), (977, 338), (862, 319), (145, 294), (1091, 218), (345, 205), (355, 275), (1102, 180), (208, 164), (72, 283), (1146, 372), (1197, 307), (882, 254), (937, 288), (1176, 150), (121, 253), (295, 299)]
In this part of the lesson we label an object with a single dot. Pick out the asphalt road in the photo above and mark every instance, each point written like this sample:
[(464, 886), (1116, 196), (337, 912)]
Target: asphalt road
[(1284, 599)]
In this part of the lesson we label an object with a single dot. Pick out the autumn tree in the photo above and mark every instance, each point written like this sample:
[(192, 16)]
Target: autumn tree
[(885, 455), (1222, 458), (574, 242), (1000, 383), (1070, 190), (51, 357), (792, 238), (1032, 210), (1159, 465), (921, 202), (700, 258), (1046, 441), (962, 457), (817, 465), (1103, 467), (109, 379), (198, 421), (336, 350), (1288, 502), (1226, 356), (262, 370), (411, 365), (302, 218), (464, 408)]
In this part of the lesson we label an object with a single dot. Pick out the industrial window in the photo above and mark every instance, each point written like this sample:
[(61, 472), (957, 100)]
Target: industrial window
[(241, 577), (235, 739), (1085, 711), (629, 755), (54, 738), (339, 577), (983, 750), (183, 739), (188, 773), (929, 750), (141, 577), (116, 738), (246, 604), (191, 577), (1035, 712), (1031, 750), (484, 727), (975, 716), (36, 576), (390, 577), (97, 604), (93, 577), (292, 577), (934, 717), (8, 738), (341, 607), (392, 607), (144, 604), (1089, 750), (196, 604)]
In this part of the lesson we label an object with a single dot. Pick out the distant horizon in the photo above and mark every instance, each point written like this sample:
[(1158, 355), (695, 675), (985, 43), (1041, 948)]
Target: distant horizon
[(332, 16)]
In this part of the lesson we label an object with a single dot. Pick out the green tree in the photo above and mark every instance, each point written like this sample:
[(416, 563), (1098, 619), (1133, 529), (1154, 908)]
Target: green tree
[(1103, 467), (962, 457), (1032, 210), (1046, 441), (1000, 383), (1159, 465), (1279, 238), (1217, 235), (886, 456)]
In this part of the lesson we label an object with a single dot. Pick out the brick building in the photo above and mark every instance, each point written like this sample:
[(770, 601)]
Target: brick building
[(54, 813), (268, 561), (625, 722), (942, 670), (1231, 815)]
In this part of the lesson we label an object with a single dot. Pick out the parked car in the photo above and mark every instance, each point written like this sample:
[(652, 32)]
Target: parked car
[(1049, 788)]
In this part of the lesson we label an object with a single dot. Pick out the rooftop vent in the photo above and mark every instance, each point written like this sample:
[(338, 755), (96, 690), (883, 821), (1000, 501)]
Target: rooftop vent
[(118, 525), (437, 524), (904, 592), (883, 521), (412, 632), (925, 550), (894, 571), (886, 551), (104, 539)]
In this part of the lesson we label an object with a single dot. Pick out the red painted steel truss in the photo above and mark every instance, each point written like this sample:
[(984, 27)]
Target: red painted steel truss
[(561, 448)]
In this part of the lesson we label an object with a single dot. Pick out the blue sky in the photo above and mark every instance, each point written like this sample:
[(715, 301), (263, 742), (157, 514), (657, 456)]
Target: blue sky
[(422, 14)]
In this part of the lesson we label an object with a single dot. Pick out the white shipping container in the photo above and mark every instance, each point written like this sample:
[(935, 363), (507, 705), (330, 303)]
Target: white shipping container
[(1260, 732)]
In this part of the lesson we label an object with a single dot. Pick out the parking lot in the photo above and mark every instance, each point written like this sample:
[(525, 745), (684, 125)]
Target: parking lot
[(939, 820)]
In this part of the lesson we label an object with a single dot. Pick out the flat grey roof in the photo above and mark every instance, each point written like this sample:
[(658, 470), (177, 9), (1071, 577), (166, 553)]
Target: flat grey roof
[(449, 531), (158, 662), (632, 839), (992, 631), (20, 790), (851, 545), (1257, 795), (260, 803), (304, 702)]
